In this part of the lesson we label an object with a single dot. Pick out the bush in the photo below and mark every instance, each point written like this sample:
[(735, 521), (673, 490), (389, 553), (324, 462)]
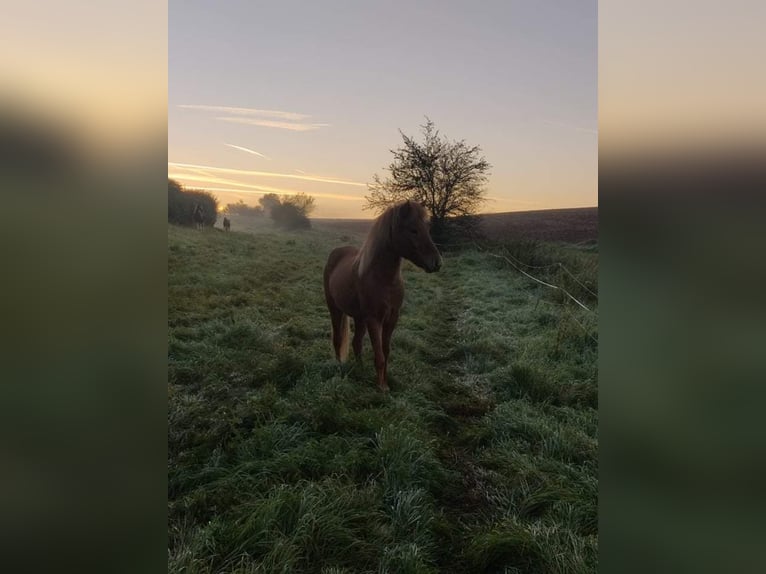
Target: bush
[(289, 212), (241, 208), (181, 203), (289, 216)]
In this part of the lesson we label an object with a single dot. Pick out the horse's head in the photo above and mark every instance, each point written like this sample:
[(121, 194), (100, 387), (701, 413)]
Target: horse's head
[(410, 236)]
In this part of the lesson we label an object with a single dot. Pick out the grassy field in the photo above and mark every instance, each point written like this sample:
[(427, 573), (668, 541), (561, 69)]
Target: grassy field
[(483, 458)]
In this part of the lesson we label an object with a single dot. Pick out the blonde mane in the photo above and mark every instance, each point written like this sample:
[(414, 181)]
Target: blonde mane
[(377, 239), (380, 234)]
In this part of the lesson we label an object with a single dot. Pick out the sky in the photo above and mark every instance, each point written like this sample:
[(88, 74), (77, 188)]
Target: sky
[(286, 97)]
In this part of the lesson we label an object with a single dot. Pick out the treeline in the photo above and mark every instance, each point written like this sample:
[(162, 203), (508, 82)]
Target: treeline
[(241, 208), (287, 211), (182, 203)]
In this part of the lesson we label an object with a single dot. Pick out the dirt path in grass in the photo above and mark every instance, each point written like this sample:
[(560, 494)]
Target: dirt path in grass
[(463, 404)]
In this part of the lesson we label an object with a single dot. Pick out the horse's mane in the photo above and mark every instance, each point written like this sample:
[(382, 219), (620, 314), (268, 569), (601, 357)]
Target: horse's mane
[(377, 239), (380, 234)]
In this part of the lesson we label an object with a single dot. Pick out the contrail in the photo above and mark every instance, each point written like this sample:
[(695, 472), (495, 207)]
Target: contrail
[(248, 150), (248, 112), (267, 174), (292, 126)]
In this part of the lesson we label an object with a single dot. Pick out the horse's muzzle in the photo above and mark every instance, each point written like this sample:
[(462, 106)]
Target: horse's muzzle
[(435, 266)]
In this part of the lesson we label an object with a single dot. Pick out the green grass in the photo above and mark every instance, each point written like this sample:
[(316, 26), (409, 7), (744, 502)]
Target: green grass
[(483, 458)]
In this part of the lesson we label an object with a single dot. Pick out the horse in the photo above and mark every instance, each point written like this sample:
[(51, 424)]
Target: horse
[(199, 216), (226, 224), (366, 284)]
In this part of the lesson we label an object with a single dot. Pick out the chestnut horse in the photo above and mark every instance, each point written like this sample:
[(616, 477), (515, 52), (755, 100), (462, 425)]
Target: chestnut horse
[(367, 284)]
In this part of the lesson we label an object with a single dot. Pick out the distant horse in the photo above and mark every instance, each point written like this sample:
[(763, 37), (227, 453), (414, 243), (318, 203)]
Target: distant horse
[(226, 224), (199, 216), (367, 284)]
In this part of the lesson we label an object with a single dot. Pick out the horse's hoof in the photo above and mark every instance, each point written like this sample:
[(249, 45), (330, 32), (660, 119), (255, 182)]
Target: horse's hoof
[(384, 388)]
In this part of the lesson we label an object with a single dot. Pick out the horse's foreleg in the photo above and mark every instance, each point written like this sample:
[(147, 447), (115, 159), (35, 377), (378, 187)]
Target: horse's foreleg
[(376, 337), (388, 330)]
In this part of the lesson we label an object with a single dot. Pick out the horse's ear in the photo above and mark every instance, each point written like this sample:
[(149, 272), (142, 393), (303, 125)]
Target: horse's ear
[(405, 209)]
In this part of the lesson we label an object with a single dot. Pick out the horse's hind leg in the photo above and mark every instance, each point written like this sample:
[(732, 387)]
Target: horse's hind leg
[(360, 329)]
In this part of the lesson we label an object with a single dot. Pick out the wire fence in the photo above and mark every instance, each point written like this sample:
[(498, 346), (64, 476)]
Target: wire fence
[(528, 266), (517, 264), (540, 281)]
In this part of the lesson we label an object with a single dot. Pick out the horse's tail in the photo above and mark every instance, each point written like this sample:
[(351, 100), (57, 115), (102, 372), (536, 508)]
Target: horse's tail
[(344, 336), (340, 321)]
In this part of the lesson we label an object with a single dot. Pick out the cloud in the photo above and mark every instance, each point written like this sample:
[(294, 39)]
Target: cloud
[(250, 188), (292, 116), (293, 126), (207, 178), (248, 150), (319, 179), (288, 192), (278, 119)]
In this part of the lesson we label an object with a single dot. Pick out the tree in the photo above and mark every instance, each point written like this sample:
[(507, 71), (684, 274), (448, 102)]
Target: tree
[(241, 208), (304, 203), (447, 177), (268, 201), (183, 202), (289, 216), (291, 211)]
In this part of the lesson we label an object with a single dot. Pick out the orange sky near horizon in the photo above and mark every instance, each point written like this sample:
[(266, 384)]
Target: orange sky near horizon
[(330, 205), (338, 197)]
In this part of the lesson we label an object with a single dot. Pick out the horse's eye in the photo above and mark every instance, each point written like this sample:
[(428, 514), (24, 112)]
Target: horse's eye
[(414, 231)]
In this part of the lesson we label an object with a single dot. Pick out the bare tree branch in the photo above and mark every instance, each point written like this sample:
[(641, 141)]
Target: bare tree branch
[(448, 177)]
